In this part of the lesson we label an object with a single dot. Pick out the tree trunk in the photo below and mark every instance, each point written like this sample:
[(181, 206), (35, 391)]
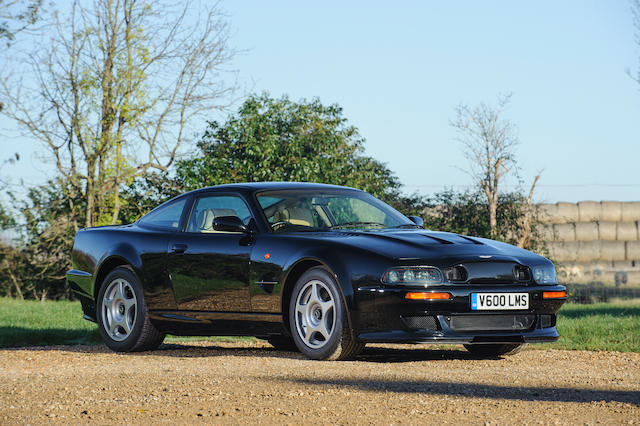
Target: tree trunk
[(90, 193), (116, 184), (525, 238), (16, 285), (493, 218)]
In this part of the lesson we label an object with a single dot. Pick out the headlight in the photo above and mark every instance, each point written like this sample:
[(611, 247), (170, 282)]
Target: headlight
[(545, 274), (413, 275)]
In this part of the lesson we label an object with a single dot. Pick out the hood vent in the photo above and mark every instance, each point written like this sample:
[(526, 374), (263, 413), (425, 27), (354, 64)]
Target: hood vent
[(470, 239), (440, 240)]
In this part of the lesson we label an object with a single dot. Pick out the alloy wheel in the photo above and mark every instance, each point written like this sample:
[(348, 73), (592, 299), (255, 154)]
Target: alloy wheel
[(119, 309), (315, 314)]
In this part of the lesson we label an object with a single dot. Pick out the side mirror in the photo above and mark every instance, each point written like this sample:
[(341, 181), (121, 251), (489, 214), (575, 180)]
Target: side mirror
[(228, 224), (417, 220)]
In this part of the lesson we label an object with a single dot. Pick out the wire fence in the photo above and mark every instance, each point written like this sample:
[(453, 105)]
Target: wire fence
[(598, 292)]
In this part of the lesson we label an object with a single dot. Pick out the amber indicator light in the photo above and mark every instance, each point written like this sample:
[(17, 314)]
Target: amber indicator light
[(267, 255), (428, 296), (554, 294)]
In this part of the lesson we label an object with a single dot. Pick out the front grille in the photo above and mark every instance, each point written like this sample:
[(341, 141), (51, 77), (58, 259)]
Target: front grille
[(491, 322), (427, 322)]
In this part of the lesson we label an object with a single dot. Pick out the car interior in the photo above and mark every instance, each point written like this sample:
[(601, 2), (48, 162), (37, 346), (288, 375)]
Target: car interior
[(204, 221)]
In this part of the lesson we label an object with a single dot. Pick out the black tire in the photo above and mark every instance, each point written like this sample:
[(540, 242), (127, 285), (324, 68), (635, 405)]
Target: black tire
[(142, 334), (340, 344), (283, 343), (494, 350)]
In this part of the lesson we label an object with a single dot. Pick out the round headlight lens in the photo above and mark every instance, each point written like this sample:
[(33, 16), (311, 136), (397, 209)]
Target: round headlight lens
[(408, 276), (545, 274), (413, 275)]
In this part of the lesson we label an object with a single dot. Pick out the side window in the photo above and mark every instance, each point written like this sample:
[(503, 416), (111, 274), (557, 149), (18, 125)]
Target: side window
[(209, 207), (165, 217)]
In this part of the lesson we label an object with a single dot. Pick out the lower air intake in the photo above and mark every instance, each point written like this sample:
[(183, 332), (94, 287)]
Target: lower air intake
[(421, 323), (547, 321), (491, 322)]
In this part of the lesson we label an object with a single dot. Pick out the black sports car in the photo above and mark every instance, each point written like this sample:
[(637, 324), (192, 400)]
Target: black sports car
[(321, 268)]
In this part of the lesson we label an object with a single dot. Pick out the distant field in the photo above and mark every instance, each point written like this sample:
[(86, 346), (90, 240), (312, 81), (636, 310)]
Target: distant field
[(602, 326), (599, 292)]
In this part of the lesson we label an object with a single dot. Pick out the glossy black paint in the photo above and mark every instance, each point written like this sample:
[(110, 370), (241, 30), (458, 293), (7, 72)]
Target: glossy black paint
[(238, 283)]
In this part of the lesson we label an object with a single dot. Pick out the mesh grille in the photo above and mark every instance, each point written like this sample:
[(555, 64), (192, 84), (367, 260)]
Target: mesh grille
[(422, 322), (547, 321), (491, 322)]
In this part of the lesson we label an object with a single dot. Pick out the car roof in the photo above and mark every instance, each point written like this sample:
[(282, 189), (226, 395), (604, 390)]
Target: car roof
[(264, 186)]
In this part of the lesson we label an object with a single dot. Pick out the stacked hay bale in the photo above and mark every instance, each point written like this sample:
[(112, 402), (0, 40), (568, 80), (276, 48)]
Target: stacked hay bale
[(594, 241)]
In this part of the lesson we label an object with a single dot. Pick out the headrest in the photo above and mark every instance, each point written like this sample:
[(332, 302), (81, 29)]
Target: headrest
[(205, 220)]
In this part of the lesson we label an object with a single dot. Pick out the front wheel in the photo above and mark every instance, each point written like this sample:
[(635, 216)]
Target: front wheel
[(318, 318), (122, 314), (494, 349)]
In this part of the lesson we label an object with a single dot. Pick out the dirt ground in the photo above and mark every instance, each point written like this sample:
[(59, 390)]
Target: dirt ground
[(249, 382)]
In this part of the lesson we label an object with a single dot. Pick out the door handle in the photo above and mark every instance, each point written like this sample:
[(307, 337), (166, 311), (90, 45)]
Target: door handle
[(179, 248)]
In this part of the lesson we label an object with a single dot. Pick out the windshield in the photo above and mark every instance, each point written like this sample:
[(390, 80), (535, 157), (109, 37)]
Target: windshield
[(308, 210)]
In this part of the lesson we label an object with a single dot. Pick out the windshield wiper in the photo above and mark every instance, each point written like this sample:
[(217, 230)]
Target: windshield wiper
[(347, 224), (408, 225)]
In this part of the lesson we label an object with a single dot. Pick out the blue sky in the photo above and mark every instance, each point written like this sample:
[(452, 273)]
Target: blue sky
[(399, 68)]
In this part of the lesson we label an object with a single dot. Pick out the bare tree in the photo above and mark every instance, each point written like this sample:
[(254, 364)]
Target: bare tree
[(17, 16), (530, 215), (489, 142), (113, 89)]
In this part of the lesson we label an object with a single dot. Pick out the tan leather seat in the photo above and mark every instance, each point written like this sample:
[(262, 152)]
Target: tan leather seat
[(204, 223), (300, 216), (224, 212)]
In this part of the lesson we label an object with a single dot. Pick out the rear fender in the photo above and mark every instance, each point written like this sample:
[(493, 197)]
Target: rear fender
[(122, 254)]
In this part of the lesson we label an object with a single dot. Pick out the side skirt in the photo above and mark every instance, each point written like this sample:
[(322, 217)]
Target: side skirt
[(202, 323)]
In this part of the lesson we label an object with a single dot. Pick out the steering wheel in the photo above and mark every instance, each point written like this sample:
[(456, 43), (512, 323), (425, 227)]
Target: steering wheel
[(278, 225)]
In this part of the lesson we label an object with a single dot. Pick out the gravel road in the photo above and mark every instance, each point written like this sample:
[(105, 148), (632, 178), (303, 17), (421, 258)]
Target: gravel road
[(249, 382)]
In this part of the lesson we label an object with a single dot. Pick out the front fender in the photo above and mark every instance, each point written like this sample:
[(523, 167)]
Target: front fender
[(351, 269)]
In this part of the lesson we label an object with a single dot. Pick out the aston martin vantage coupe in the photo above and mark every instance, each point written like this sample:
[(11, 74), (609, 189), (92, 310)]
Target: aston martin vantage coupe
[(317, 268)]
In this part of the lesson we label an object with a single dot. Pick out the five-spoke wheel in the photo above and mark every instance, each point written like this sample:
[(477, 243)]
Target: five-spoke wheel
[(318, 318), (122, 313), (119, 309), (315, 314)]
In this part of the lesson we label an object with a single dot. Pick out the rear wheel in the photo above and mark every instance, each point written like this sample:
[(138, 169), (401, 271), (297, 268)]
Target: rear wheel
[(318, 318), (495, 349), (122, 314)]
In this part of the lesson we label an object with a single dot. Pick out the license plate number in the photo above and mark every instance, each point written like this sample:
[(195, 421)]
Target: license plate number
[(499, 301)]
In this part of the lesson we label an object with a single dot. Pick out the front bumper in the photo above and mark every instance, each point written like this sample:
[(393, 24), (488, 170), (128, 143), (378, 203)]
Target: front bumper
[(396, 319)]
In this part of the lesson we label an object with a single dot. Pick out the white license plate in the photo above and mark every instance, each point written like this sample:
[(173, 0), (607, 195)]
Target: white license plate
[(499, 301)]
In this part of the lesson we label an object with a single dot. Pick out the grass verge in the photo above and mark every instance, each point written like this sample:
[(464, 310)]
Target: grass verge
[(34, 323), (601, 326), (598, 327), (30, 322)]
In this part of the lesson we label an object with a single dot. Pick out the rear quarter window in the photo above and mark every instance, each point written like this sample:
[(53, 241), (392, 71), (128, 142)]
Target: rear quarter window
[(165, 217)]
